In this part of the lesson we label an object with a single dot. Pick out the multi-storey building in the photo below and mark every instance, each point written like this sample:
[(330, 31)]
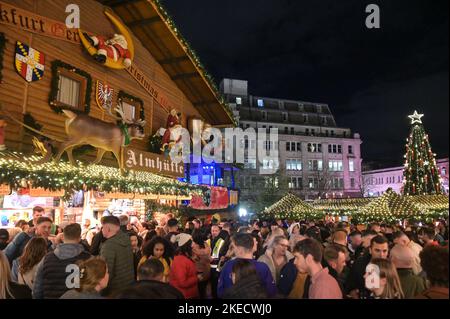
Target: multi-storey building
[(376, 182), (316, 157)]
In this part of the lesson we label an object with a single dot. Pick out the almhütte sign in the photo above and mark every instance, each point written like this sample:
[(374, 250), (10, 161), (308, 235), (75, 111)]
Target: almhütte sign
[(150, 162)]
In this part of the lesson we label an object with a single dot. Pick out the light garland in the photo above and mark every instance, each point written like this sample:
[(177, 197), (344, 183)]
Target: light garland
[(62, 176)]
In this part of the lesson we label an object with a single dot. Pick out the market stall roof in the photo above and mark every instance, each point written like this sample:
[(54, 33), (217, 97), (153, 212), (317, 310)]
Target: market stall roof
[(391, 207), (338, 204), (431, 202), (152, 25), (286, 205), (17, 168)]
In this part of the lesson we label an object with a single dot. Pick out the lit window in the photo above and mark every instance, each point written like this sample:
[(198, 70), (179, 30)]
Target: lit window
[(351, 166), (239, 101), (260, 103)]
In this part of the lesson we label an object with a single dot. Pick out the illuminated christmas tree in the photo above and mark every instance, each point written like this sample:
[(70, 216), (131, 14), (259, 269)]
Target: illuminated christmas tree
[(421, 175)]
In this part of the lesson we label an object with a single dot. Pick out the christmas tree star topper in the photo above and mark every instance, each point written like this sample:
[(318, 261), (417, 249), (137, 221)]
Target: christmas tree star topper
[(416, 118)]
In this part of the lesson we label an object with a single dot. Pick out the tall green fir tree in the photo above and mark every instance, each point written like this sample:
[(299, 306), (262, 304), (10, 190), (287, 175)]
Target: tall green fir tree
[(420, 173)]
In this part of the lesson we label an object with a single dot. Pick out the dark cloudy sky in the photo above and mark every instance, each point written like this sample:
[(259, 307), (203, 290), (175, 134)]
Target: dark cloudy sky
[(321, 51)]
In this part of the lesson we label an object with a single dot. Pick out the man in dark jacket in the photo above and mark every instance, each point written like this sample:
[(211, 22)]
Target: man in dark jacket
[(172, 225), (15, 248), (150, 284), (117, 252), (334, 257), (355, 283), (57, 272)]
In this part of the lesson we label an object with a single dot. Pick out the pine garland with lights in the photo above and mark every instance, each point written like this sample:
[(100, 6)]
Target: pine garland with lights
[(2, 51), (194, 57), (16, 168), (289, 207), (420, 173), (55, 87)]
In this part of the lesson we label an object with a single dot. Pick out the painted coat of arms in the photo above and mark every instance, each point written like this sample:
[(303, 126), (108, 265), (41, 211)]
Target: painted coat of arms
[(104, 95), (30, 63)]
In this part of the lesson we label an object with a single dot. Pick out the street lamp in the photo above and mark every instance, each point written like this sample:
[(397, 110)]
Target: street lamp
[(242, 212)]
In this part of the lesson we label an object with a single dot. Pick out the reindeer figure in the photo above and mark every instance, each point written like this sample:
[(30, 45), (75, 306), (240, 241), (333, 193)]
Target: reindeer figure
[(106, 137)]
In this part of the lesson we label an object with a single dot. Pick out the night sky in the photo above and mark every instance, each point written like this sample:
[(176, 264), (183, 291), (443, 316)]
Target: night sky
[(321, 51)]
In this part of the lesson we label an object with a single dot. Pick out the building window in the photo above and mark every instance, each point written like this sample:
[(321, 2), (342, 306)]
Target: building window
[(399, 180), (286, 130), (239, 101), (313, 183), (305, 118), (73, 90), (351, 165), (324, 120), (335, 149), (315, 165), (352, 182), (250, 163), (285, 117), (292, 131), (268, 164), (299, 147), (307, 131), (264, 115), (332, 133), (260, 103), (288, 146), (293, 165), (350, 149), (296, 183), (313, 132), (337, 183), (335, 166), (327, 133), (314, 147)]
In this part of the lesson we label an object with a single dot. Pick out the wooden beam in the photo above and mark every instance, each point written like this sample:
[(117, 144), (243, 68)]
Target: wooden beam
[(185, 76), (144, 22), (174, 60)]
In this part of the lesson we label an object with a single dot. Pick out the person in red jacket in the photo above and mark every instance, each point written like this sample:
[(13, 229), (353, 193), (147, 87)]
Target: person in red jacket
[(183, 273)]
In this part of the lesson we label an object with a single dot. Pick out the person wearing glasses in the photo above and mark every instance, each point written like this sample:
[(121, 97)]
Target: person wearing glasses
[(277, 256)]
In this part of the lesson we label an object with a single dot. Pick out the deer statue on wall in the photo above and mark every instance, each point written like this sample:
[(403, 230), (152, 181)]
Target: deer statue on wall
[(82, 129)]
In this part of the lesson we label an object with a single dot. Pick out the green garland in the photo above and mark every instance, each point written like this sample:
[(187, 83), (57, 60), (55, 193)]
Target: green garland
[(195, 58), (63, 176), (155, 144), (54, 87), (2, 51), (123, 95), (153, 207)]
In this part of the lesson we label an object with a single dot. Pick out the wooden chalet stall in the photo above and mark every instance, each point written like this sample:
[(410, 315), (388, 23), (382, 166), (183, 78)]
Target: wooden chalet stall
[(46, 67)]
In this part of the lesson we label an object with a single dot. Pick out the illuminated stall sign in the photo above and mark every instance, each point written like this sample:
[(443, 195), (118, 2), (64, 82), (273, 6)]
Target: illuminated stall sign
[(153, 163), (214, 198)]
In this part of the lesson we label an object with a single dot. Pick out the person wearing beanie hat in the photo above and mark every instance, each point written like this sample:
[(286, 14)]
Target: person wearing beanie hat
[(183, 273)]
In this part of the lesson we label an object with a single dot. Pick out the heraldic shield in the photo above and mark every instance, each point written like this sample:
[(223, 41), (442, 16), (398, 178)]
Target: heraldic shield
[(29, 62)]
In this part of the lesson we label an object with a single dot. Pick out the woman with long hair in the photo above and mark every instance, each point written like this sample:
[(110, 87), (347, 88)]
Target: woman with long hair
[(183, 273), (159, 248), (8, 288), (386, 284), (33, 253), (94, 278), (246, 283)]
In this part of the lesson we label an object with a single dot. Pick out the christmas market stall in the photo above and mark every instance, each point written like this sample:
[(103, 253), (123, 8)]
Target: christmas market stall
[(395, 208), (90, 112), (289, 207)]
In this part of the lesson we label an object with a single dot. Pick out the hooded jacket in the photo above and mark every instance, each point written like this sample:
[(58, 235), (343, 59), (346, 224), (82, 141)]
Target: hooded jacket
[(247, 288), (118, 255), (52, 273)]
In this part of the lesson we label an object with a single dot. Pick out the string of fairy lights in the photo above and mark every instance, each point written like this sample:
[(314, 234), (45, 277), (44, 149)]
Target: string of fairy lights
[(19, 170)]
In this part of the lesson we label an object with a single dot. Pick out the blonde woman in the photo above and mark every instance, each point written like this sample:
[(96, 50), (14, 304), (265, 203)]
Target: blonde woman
[(386, 284), (8, 288), (94, 278)]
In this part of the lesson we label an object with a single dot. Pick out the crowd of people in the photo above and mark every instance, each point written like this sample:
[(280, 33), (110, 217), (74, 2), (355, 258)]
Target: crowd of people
[(126, 259)]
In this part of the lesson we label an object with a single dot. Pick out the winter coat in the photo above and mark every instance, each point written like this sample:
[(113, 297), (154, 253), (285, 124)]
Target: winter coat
[(267, 258), (434, 293), (74, 294), (183, 276), (18, 291), (412, 285), (202, 259), (355, 279), (51, 273), (118, 255), (15, 248), (247, 288)]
